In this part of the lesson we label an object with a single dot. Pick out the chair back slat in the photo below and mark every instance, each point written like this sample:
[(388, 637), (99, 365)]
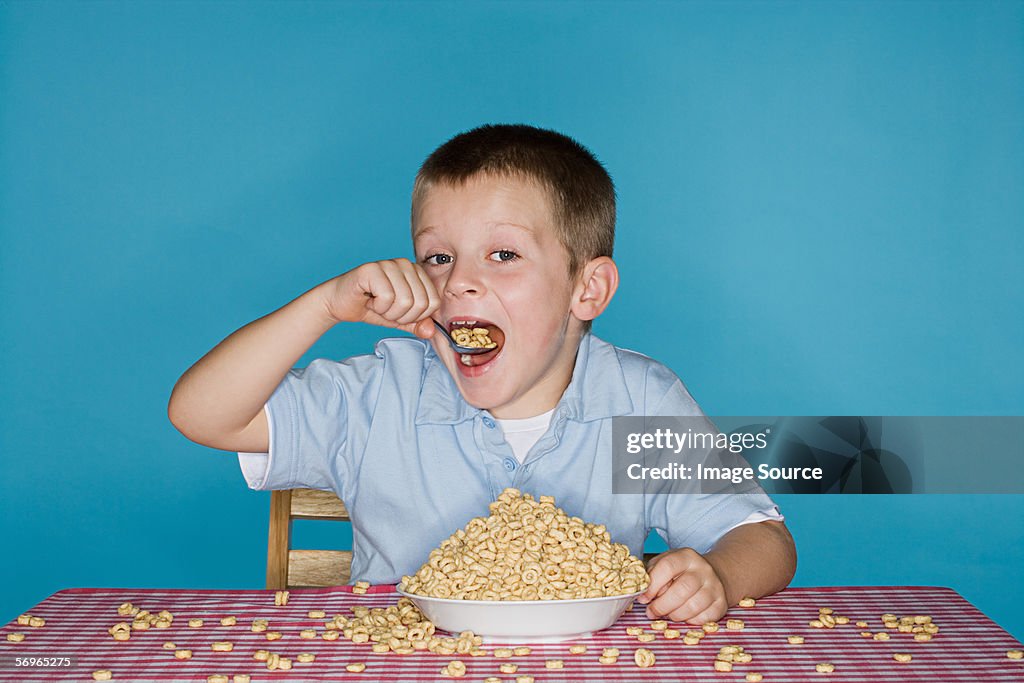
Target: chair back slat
[(318, 568), (313, 504)]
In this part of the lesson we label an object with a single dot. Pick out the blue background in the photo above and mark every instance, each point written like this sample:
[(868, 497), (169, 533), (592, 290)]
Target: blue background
[(820, 213)]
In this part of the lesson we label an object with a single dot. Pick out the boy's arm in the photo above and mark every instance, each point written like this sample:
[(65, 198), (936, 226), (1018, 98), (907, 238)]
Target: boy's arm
[(219, 401), (751, 560)]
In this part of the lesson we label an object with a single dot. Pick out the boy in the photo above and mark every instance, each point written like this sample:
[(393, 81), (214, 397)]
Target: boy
[(512, 230)]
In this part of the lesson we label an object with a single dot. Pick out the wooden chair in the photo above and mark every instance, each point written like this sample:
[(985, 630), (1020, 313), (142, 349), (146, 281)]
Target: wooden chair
[(287, 568)]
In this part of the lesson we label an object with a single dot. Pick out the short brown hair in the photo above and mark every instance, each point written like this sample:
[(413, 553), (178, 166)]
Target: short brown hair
[(581, 192)]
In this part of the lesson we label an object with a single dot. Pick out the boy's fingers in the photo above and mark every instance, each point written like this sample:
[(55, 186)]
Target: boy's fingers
[(663, 569), (433, 298), (681, 590), (403, 298), (380, 293), (420, 300)]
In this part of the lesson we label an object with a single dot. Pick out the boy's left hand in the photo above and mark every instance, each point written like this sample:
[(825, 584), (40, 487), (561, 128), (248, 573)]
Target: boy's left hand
[(684, 587)]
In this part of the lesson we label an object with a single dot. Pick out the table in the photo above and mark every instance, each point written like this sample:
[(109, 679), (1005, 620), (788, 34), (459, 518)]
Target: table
[(968, 647)]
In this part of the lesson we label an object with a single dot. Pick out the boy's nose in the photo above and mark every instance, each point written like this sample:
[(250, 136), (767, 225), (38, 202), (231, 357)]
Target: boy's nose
[(463, 281)]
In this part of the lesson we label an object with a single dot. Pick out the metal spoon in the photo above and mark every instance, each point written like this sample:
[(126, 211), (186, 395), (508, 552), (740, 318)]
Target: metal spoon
[(461, 350)]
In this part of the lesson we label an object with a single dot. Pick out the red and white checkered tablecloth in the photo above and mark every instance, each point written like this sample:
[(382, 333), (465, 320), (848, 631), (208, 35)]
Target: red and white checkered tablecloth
[(968, 647)]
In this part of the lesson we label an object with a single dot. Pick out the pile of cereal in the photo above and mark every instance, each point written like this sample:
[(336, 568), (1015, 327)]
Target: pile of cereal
[(528, 549)]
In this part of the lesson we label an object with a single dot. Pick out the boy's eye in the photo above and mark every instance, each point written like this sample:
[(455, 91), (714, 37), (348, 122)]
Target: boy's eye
[(504, 255), (438, 259)]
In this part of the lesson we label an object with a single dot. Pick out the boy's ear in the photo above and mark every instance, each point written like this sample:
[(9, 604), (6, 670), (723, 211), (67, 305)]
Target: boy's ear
[(595, 288)]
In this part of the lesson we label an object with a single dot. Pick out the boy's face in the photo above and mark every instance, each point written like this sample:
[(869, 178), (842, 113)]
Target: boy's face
[(490, 249)]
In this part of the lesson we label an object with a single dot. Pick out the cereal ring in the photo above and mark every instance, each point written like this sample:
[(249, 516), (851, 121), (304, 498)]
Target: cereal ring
[(722, 666), (825, 667), (553, 664), (644, 658), (102, 675), (1015, 654), (795, 640), (747, 602), (902, 656)]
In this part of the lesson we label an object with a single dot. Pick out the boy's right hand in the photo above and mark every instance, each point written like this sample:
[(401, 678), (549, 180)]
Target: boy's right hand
[(395, 293)]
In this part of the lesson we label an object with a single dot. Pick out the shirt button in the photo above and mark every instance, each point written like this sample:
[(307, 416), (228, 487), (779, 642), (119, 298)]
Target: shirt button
[(489, 423), (510, 464)]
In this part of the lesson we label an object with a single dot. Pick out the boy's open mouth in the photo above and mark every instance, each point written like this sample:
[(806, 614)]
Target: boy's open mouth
[(493, 332)]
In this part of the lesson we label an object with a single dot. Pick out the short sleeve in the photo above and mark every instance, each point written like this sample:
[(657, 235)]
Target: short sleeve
[(256, 466), (308, 418), (697, 519)]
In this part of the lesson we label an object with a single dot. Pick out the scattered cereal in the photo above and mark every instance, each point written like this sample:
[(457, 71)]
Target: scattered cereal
[(644, 658), (508, 668), (280, 598), (753, 677), (672, 633), (102, 675), (825, 667), (183, 654), (722, 666), (305, 657), (710, 627), (222, 646), (521, 651), (734, 624), (454, 669), (228, 621), (795, 640), (553, 664), (902, 657), (217, 678), (1015, 654), (195, 623), (747, 602), (577, 649), (15, 637), (659, 625)]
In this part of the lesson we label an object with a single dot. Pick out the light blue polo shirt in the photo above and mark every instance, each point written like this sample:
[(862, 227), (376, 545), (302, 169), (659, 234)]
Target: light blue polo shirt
[(392, 436)]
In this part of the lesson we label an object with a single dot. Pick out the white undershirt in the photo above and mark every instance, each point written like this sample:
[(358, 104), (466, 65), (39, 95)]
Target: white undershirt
[(522, 433)]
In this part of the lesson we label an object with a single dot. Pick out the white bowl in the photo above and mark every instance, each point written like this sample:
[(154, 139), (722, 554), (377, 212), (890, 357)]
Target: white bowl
[(535, 620)]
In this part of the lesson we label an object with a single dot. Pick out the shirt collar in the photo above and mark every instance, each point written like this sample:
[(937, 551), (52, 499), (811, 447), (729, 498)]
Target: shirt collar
[(596, 391)]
